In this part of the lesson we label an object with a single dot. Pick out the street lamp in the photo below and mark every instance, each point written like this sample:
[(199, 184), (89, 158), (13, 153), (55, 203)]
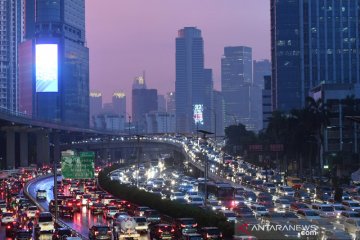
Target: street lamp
[(206, 165)]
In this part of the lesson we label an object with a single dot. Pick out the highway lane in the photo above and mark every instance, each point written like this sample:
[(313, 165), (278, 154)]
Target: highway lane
[(2, 228), (82, 221)]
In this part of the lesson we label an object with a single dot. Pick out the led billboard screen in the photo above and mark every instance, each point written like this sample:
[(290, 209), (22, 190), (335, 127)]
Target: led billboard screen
[(46, 58), (198, 114)]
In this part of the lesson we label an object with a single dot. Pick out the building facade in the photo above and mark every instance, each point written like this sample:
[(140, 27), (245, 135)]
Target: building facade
[(189, 87), (267, 107), (10, 35), (160, 122), (143, 101), (237, 85), (341, 142), (119, 103), (312, 42), (61, 27), (95, 105)]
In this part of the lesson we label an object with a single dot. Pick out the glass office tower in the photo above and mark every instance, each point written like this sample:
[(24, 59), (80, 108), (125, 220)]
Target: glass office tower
[(312, 42)]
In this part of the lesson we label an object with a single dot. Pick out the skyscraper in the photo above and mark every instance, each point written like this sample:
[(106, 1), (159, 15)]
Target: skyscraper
[(261, 68), (143, 101), (236, 84), (139, 83), (266, 101), (170, 102), (312, 42), (10, 35), (95, 105), (60, 92), (119, 103), (161, 103), (189, 87)]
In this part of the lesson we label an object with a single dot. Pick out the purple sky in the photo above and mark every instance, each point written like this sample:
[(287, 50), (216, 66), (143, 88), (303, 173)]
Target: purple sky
[(126, 37)]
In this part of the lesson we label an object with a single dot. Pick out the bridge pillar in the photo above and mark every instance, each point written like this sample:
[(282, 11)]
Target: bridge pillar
[(10, 149), (42, 148), (57, 152), (24, 149)]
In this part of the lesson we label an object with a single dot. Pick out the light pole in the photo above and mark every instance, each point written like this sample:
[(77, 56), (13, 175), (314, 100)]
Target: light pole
[(206, 166)]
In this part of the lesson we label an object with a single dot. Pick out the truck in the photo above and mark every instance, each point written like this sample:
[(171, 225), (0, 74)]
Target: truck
[(125, 228)]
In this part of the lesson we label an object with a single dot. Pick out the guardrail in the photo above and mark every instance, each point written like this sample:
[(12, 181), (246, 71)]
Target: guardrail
[(59, 221)]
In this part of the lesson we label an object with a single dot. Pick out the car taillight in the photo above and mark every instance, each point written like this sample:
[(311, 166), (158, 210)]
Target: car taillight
[(96, 232), (160, 231), (183, 225), (8, 227), (172, 230), (69, 204), (194, 225), (78, 204), (109, 232)]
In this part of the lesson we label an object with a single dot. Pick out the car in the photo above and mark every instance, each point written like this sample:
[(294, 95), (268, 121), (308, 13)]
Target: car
[(184, 223), (162, 231), (298, 205), (62, 233), (338, 209), (324, 210), (41, 194), (192, 236), (45, 222), (177, 195), (259, 210), (7, 217), (285, 191), (351, 205), (243, 212), (66, 211), (11, 229), (110, 211), (22, 234), (211, 233), (303, 196), (229, 215), (282, 204), (142, 224), (269, 187), (196, 200), (139, 211), (307, 214), (32, 211), (349, 214), (335, 234), (214, 205), (97, 208), (352, 225), (152, 216), (100, 232)]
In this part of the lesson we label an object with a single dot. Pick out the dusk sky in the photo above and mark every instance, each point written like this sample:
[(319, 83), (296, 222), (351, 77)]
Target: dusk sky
[(126, 37)]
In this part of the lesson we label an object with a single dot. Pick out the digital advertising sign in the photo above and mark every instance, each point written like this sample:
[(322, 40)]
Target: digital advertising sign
[(46, 60), (198, 114)]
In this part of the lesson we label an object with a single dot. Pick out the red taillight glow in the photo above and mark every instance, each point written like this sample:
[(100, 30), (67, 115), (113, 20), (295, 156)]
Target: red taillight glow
[(96, 232), (183, 225), (194, 225), (8, 227), (160, 231), (172, 230)]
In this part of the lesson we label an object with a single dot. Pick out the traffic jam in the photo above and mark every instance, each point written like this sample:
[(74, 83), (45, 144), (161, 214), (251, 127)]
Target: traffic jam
[(237, 190)]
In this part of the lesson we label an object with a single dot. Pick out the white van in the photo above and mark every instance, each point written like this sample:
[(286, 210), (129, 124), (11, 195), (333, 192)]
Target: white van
[(45, 222)]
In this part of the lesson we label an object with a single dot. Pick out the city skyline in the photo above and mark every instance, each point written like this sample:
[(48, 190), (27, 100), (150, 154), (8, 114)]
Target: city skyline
[(140, 36)]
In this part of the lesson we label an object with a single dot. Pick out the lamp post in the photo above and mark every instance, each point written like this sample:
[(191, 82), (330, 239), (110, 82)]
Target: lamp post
[(206, 166)]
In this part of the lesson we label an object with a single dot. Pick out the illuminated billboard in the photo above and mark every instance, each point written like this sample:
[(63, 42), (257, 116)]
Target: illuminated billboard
[(198, 114), (46, 58)]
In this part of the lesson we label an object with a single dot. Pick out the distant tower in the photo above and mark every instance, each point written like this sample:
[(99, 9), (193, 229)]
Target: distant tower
[(95, 105), (139, 83), (236, 83), (189, 89), (119, 103)]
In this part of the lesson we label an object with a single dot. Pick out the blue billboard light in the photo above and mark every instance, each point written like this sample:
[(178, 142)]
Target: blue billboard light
[(46, 67)]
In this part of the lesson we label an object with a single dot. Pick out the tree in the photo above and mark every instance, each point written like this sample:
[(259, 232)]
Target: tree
[(238, 136)]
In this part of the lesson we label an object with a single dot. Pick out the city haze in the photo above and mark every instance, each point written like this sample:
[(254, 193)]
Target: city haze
[(128, 36)]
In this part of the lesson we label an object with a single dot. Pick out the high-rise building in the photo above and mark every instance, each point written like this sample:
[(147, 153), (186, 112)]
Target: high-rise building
[(266, 101), (143, 101), (261, 68), (312, 43), (189, 84), (170, 102), (60, 85), (160, 122), (95, 105), (10, 35), (119, 103), (161, 103), (237, 85), (139, 82), (219, 111)]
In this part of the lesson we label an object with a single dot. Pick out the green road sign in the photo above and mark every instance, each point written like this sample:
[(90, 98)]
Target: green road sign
[(78, 167)]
